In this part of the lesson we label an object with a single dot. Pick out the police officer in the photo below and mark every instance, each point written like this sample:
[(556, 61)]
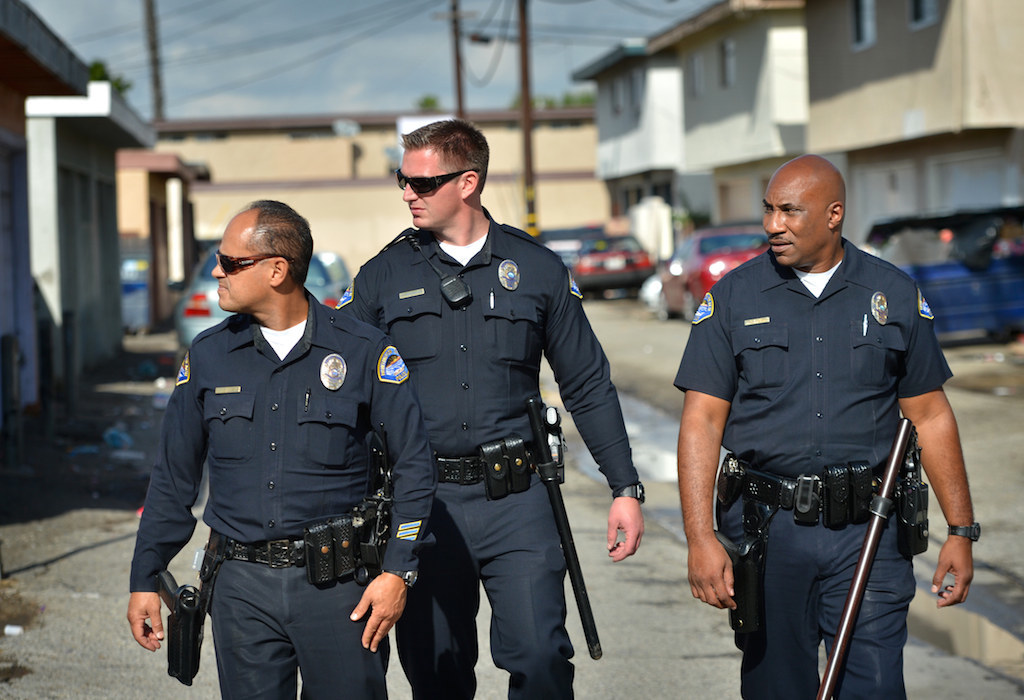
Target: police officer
[(472, 305), (280, 399), (800, 359)]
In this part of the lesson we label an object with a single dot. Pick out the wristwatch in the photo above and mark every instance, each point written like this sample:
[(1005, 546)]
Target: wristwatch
[(409, 577), (971, 532), (633, 491)]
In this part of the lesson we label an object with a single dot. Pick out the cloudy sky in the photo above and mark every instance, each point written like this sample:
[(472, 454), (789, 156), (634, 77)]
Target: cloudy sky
[(273, 57)]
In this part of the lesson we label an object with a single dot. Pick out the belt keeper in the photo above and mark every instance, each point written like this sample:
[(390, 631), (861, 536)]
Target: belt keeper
[(881, 506)]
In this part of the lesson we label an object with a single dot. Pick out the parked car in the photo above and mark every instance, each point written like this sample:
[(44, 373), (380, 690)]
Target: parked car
[(702, 259), (612, 262), (969, 265), (568, 241), (199, 309)]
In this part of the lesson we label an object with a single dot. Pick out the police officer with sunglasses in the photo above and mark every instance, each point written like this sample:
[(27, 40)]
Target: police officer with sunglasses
[(280, 400), (472, 305)]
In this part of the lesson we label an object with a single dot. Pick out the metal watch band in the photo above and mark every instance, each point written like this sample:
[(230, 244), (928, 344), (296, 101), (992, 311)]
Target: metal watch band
[(971, 532), (409, 577), (633, 491)]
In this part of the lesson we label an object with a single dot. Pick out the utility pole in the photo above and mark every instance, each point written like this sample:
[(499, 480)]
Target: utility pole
[(153, 43), (460, 111), (527, 120)]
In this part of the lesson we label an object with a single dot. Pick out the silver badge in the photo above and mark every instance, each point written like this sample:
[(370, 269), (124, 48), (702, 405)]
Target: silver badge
[(332, 371), (508, 274), (879, 307)]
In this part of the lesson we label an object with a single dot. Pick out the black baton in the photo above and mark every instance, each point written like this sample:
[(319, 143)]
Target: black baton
[(547, 468), (881, 506)]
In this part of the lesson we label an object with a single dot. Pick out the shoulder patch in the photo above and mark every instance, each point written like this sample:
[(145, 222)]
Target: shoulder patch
[(923, 308), (391, 367), (346, 298), (705, 310), (574, 288), (184, 372)]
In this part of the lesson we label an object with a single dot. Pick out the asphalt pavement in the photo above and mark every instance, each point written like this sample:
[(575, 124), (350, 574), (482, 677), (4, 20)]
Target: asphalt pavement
[(68, 520)]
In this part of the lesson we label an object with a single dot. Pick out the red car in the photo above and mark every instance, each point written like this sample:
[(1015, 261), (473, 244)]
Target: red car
[(702, 259), (614, 262)]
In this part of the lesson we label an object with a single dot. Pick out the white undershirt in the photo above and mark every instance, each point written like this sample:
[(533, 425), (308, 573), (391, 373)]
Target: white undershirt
[(816, 281), (463, 253), (284, 341)]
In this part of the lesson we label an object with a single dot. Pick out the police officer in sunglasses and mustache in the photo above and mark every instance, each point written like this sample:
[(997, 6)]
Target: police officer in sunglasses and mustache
[(280, 400), (472, 305)]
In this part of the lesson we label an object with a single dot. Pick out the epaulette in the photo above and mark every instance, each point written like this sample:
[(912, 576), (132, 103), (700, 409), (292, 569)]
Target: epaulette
[(519, 233), (404, 235)]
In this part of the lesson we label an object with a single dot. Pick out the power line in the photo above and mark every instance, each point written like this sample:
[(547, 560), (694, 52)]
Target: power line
[(492, 68), (273, 41), (397, 16), (135, 26)]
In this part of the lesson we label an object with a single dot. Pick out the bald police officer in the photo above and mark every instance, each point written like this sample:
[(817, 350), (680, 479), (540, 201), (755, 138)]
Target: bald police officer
[(800, 361)]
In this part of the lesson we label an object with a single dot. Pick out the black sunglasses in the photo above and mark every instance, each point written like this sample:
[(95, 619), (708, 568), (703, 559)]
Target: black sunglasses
[(232, 265), (422, 185)]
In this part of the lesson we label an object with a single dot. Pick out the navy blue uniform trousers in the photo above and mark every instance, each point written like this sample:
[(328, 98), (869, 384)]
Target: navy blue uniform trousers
[(511, 545), (808, 570), (267, 622)]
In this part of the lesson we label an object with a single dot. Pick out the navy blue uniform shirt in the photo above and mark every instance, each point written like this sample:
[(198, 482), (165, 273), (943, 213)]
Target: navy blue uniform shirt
[(475, 367), (813, 381), (284, 449)]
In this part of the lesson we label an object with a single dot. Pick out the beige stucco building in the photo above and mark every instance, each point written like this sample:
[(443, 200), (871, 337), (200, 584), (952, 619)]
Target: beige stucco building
[(337, 171), (921, 103)]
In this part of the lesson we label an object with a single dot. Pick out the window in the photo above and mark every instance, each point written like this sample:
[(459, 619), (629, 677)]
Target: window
[(696, 73), (922, 13), (727, 62), (636, 89), (863, 23)]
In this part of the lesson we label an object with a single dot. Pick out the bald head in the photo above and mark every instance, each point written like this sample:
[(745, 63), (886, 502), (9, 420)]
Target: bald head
[(815, 173), (803, 214)]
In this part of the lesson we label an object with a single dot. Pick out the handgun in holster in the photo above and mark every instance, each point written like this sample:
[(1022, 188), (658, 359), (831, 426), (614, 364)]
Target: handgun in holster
[(911, 503), (748, 560), (184, 629), (371, 518)]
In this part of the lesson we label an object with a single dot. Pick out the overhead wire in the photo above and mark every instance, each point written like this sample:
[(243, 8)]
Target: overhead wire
[(136, 26), (396, 15)]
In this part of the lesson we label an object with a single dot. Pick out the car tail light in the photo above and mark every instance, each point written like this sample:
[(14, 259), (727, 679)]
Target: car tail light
[(197, 305)]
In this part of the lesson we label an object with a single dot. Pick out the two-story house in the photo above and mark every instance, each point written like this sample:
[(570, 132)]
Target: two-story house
[(921, 102), (723, 92)]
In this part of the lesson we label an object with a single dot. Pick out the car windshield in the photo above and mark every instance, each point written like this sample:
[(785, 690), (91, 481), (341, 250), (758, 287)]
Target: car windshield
[(731, 241), (621, 244)]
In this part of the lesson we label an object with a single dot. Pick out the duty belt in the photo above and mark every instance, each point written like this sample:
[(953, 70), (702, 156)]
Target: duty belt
[(277, 554), (460, 470), (774, 490)]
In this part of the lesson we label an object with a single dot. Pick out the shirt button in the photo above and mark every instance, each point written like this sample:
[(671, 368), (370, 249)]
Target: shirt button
[(819, 415), (820, 339), (328, 414), (273, 407), (463, 348), (271, 485), (817, 453), (464, 385), (818, 375), (271, 523), (465, 426), (273, 446), (757, 340), (223, 411)]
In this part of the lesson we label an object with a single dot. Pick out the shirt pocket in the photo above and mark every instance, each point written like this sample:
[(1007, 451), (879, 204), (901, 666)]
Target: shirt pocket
[(511, 323), (230, 420), (875, 354), (762, 355), (415, 326), (327, 430)]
